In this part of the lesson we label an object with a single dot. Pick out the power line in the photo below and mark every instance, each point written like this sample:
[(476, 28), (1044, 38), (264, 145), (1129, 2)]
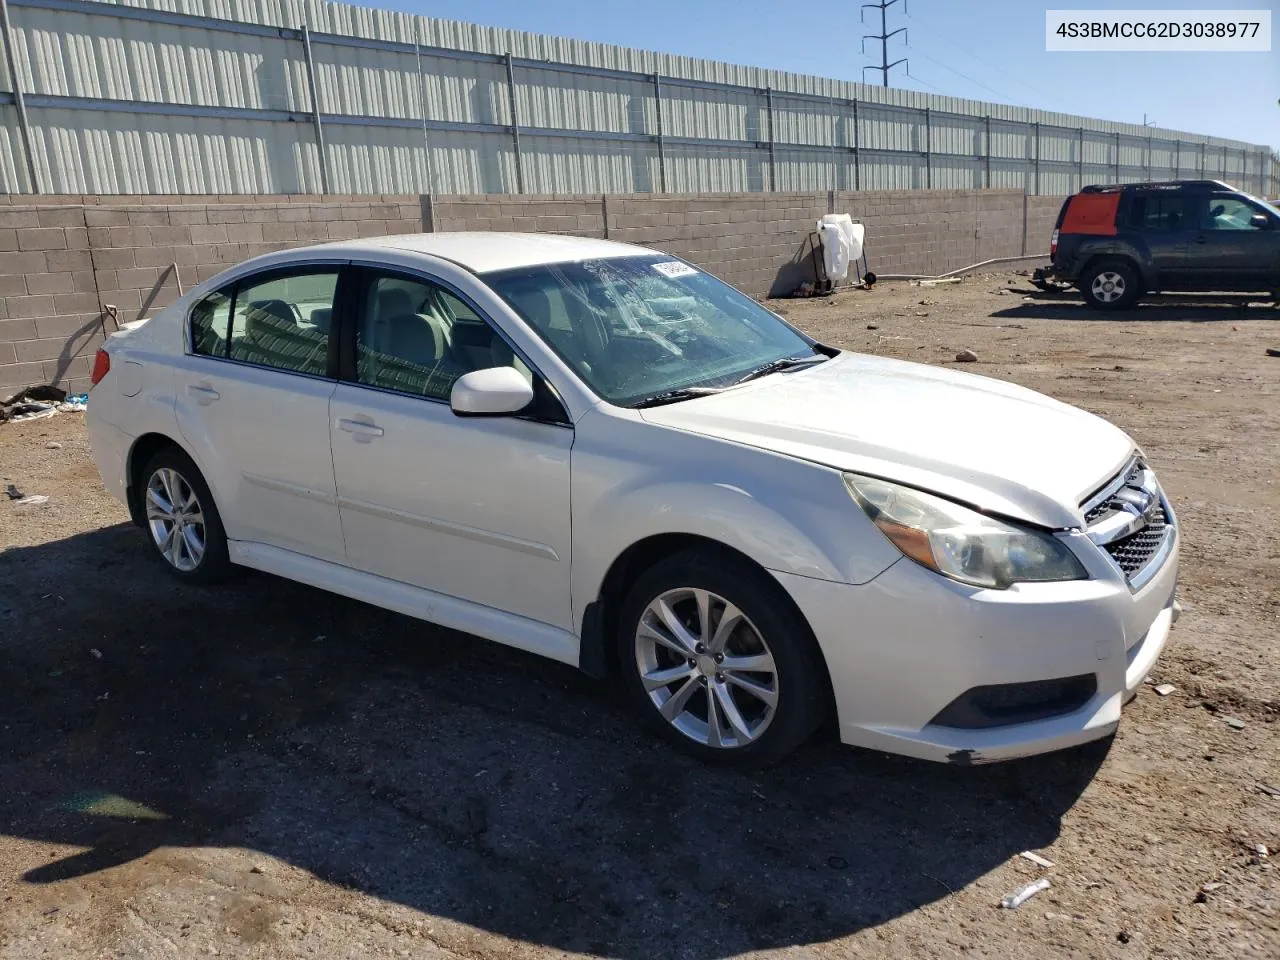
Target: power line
[(986, 63), (965, 76), (883, 36)]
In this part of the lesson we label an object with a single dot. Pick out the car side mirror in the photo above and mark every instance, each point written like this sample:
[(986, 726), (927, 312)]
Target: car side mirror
[(1261, 221), (495, 392)]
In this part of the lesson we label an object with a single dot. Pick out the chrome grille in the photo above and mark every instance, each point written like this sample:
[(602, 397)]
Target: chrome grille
[(1130, 520)]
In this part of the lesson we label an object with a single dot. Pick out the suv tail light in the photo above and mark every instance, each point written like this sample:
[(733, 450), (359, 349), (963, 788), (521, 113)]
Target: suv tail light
[(101, 366), (1053, 243)]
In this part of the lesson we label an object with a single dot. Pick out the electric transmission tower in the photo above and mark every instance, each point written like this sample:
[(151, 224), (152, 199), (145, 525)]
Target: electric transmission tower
[(883, 36)]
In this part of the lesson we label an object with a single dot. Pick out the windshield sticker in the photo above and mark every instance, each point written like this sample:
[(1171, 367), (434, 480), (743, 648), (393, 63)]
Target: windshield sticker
[(674, 268)]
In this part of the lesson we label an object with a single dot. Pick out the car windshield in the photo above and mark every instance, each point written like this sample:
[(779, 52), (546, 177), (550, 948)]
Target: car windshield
[(636, 328), (1266, 204)]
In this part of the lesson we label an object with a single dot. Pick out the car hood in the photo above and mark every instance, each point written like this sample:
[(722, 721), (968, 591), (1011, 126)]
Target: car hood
[(991, 444)]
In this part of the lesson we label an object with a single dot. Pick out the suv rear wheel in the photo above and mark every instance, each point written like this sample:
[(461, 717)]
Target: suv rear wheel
[(1110, 285)]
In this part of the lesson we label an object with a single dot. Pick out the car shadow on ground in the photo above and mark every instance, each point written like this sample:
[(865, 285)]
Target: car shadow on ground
[(1067, 305), (454, 776)]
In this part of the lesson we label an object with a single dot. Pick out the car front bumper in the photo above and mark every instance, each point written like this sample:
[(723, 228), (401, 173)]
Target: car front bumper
[(902, 648)]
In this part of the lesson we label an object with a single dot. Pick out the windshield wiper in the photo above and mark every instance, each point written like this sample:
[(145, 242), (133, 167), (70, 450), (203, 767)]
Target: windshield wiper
[(783, 363), (674, 396)]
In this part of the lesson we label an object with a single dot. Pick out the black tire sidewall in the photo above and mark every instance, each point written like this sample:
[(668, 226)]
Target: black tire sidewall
[(216, 563), (1131, 284), (803, 689)]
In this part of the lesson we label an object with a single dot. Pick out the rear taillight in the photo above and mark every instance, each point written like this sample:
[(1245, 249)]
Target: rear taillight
[(101, 366), (1053, 243)]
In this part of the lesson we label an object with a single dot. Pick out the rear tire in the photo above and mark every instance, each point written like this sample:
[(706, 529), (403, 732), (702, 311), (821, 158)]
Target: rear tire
[(181, 519), (740, 692), (1111, 285)]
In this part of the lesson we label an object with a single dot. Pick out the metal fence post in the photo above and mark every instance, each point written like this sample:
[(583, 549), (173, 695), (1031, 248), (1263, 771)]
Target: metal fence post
[(1080, 159), (857, 149), (422, 96), (986, 143), (1037, 159), (928, 151), (835, 130), (662, 150), (515, 122), (1177, 159), (773, 169), (20, 104), (315, 110), (1147, 164), (1224, 162), (1203, 151), (1117, 156)]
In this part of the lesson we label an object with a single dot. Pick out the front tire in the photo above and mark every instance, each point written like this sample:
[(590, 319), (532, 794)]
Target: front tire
[(718, 660), (1111, 285), (182, 521)]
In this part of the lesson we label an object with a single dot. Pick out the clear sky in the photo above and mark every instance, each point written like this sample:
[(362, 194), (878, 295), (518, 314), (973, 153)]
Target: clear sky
[(988, 50)]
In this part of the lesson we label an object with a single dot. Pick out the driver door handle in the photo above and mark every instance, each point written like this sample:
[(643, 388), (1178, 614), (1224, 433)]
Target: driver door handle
[(361, 428), (202, 394)]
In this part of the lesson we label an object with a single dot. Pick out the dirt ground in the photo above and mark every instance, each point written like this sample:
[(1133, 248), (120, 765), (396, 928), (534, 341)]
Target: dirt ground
[(264, 770)]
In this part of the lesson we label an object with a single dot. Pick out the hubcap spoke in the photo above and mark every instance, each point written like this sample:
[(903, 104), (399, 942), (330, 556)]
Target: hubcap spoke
[(650, 631), (192, 542), (730, 617), (157, 500), (752, 663), (715, 731), (675, 704), (766, 695), (724, 698), (658, 679), (672, 622), (703, 600)]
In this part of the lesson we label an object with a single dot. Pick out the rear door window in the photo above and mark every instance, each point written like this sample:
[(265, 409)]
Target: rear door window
[(283, 321), (1154, 213)]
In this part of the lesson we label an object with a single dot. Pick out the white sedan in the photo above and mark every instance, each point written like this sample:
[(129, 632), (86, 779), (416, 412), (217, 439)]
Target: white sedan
[(604, 455)]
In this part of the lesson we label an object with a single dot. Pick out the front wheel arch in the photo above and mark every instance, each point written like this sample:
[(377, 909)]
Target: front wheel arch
[(597, 655)]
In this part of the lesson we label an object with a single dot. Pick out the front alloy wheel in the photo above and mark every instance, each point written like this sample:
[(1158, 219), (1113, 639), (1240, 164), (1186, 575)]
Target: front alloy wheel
[(716, 657), (706, 668)]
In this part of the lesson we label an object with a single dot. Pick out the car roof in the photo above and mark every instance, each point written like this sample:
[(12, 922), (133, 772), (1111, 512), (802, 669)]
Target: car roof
[(1191, 186), (485, 252)]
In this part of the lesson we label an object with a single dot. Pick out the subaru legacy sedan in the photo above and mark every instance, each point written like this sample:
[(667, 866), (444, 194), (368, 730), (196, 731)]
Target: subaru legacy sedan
[(606, 456)]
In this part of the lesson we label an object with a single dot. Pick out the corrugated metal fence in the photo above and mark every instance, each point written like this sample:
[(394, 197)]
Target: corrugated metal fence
[(286, 96)]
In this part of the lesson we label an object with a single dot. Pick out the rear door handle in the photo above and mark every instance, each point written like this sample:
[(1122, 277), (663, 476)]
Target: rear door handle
[(360, 428), (202, 394)]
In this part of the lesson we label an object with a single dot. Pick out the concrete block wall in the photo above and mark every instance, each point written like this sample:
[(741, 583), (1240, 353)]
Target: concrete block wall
[(71, 265)]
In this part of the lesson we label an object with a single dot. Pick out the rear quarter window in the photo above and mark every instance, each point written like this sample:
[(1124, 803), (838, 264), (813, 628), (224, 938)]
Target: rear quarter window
[(1092, 213), (210, 319)]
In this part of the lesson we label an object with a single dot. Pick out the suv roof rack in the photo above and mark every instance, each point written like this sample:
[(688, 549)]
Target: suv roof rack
[(1158, 185)]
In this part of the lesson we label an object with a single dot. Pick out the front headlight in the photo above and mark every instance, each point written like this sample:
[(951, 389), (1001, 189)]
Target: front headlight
[(961, 543)]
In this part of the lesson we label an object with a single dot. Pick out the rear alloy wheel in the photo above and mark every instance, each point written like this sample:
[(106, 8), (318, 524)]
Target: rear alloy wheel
[(181, 519), (1112, 285), (716, 657)]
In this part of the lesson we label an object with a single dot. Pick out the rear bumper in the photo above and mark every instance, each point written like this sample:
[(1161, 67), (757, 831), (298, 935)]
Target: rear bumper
[(109, 446), (903, 648)]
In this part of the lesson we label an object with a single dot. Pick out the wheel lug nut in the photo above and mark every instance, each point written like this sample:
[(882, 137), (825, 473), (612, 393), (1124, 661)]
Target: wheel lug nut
[(700, 648), (693, 662), (719, 658), (703, 681), (719, 678)]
